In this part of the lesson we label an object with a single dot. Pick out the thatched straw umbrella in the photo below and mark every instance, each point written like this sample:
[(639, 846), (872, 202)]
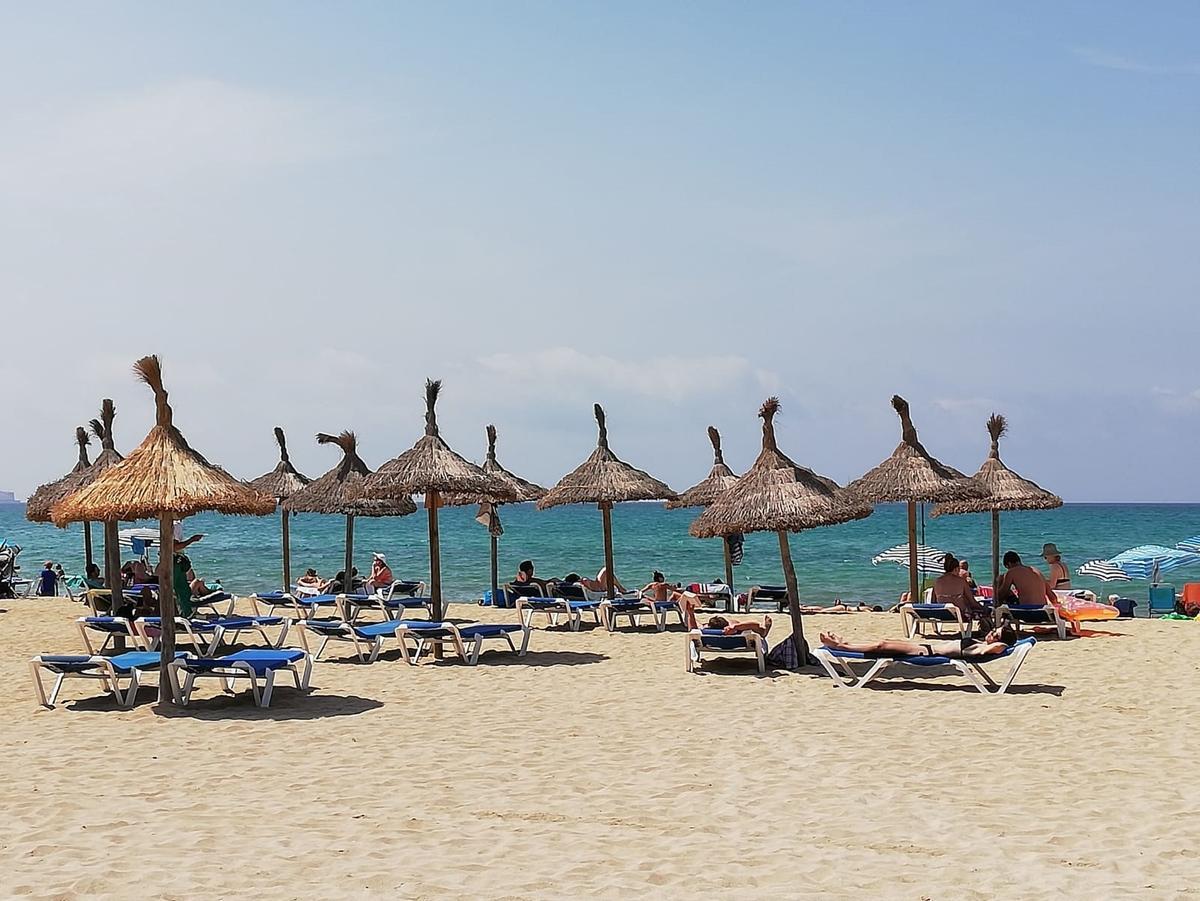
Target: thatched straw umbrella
[(1006, 491), (281, 483), (720, 479), (162, 478), (913, 476), (431, 468), (37, 508), (777, 495), (340, 493), (604, 479), (108, 457), (523, 489)]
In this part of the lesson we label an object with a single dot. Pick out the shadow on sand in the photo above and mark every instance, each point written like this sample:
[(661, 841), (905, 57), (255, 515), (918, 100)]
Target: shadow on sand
[(286, 704)]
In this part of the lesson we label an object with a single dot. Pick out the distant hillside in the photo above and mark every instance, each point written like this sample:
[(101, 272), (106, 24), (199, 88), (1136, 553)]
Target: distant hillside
[(8, 499)]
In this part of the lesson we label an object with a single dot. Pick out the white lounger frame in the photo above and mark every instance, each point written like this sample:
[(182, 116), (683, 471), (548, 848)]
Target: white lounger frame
[(694, 650), (1053, 616), (552, 611), (470, 657), (366, 649), (131, 632), (301, 671), (915, 623), (105, 672), (841, 669), (151, 633)]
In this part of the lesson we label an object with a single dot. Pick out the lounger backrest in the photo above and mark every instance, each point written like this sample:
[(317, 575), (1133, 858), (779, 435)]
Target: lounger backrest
[(1162, 598), (570, 592), (524, 591)]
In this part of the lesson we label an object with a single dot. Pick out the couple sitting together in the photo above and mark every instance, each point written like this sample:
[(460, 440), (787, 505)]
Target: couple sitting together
[(525, 577)]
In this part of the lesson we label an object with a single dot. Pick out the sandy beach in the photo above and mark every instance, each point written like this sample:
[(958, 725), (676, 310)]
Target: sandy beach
[(597, 766)]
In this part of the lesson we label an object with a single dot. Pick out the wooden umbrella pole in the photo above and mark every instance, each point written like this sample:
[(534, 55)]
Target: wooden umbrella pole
[(166, 604), (606, 513), (112, 574), (287, 553), (728, 571), (435, 563), (348, 580), (495, 570), (789, 575), (995, 550), (914, 596), (87, 546)]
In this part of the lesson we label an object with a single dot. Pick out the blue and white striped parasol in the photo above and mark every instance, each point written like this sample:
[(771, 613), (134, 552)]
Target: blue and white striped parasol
[(1103, 570), (1190, 544), (1149, 561), (929, 559)]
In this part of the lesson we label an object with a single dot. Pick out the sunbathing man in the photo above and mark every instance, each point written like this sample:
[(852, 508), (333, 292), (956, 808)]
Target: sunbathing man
[(1023, 584), (840, 606), (720, 622), (995, 642)]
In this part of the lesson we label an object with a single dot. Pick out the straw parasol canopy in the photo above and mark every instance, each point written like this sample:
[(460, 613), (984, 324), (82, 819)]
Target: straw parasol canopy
[(912, 475), (431, 468), (339, 492), (605, 479), (778, 495), (281, 483), (284, 480), (1007, 491), (523, 489), (719, 480), (163, 478), (37, 508)]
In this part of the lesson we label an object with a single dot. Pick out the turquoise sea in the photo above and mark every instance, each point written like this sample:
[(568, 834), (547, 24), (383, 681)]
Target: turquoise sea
[(243, 552)]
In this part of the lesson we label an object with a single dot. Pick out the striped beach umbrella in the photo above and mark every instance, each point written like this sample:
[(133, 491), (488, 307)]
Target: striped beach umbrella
[(1103, 570), (1190, 544), (929, 559), (1149, 561)]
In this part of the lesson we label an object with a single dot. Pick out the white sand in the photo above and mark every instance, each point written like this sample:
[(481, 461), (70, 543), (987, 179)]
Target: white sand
[(597, 766)]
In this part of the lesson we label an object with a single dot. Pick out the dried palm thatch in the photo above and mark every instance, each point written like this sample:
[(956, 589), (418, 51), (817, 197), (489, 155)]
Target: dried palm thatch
[(523, 490), (339, 492), (1007, 491), (431, 466), (37, 508), (163, 475), (284, 480), (777, 495), (719, 480), (163, 478), (604, 478), (911, 473), (280, 483)]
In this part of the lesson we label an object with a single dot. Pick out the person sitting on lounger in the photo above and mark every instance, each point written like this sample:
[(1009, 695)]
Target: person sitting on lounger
[(1023, 584), (146, 604), (381, 574), (952, 588), (91, 578), (603, 578), (996, 641), (525, 577), (337, 583), (728, 628), (310, 580)]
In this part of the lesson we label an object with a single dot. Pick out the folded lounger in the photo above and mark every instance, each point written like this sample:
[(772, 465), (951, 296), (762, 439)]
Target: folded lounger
[(571, 603), (367, 638), (464, 637), (206, 635), (109, 670), (1034, 615), (253, 664), (717, 642), (918, 619), (300, 606), (834, 660), (110, 627)]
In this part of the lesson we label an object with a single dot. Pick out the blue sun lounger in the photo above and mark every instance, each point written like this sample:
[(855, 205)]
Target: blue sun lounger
[(209, 602), (109, 670), (300, 605), (717, 642), (569, 605), (367, 638), (840, 664), (918, 618), (1033, 615), (111, 627), (206, 635), (253, 664), (463, 637)]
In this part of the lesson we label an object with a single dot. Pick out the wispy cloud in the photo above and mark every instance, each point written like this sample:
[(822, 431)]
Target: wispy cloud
[(963, 404), (1104, 59), (1171, 400)]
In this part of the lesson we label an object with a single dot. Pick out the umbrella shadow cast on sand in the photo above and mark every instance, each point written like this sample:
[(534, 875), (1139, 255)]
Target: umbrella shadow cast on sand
[(1029, 688), (535, 658), (287, 704)]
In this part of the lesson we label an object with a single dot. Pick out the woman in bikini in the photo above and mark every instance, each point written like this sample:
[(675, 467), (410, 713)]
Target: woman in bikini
[(1060, 576), (995, 642)]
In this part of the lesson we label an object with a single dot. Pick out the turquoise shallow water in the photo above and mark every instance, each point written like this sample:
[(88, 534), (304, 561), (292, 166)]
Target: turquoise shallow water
[(831, 563)]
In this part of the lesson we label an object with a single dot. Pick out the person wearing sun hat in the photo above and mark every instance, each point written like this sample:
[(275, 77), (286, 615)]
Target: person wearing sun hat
[(381, 573), (1060, 576)]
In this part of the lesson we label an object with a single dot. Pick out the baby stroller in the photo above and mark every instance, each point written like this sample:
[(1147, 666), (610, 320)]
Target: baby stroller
[(8, 569)]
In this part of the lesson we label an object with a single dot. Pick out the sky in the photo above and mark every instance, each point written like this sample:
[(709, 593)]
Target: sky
[(672, 209)]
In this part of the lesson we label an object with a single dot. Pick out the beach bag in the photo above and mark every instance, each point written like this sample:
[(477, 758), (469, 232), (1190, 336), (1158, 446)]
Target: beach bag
[(6, 591), (783, 655)]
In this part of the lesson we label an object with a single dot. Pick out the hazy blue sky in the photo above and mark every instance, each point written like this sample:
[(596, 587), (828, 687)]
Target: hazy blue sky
[(674, 209)]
